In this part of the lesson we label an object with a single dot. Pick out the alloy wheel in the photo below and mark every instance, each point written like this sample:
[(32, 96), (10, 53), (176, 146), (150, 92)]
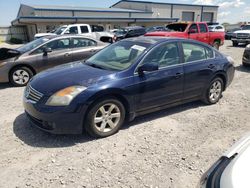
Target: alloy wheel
[(21, 77), (215, 91), (107, 117)]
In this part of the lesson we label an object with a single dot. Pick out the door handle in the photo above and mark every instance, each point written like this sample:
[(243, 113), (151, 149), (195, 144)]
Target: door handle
[(211, 66), (67, 54), (178, 75)]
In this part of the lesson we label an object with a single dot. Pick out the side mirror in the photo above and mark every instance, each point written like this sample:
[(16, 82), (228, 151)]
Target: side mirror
[(46, 51), (192, 31), (148, 67)]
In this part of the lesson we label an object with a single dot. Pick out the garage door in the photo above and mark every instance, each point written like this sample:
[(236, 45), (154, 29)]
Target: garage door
[(187, 16), (207, 16)]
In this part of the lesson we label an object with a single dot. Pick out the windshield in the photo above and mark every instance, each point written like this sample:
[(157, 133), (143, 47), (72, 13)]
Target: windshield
[(59, 30), (121, 32), (31, 45), (118, 56), (176, 27), (246, 27)]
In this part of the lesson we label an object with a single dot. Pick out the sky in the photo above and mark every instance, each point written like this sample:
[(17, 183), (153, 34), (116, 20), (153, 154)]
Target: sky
[(232, 11)]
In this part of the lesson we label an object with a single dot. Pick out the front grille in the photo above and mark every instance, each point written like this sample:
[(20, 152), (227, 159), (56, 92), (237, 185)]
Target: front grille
[(32, 94), (243, 35)]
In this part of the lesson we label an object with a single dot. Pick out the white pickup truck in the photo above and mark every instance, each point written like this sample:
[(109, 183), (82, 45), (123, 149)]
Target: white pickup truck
[(241, 36), (93, 31)]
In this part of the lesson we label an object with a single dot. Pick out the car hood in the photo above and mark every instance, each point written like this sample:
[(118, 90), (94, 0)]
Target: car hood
[(71, 74), (242, 31), (38, 35)]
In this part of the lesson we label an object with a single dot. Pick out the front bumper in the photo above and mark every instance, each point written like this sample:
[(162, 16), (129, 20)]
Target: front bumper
[(56, 120), (246, 40)]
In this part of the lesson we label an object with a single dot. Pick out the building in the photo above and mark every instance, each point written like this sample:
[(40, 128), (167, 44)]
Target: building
[(38, 19)]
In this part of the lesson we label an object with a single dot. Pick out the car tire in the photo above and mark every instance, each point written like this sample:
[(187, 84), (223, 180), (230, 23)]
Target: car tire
[(20, 76), (214, 91), (216, 45), (235, 43), (245, 64), (105, 118)]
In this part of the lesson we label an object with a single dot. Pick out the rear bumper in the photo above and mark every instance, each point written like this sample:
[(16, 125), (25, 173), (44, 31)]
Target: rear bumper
[(59, 121)]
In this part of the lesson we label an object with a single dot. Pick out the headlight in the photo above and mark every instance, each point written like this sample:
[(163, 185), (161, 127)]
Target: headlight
[(65, 96), (234, 35), (248, 46)]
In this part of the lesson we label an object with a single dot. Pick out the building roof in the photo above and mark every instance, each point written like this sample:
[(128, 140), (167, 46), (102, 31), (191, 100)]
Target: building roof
[(76, 8), (162, 3)]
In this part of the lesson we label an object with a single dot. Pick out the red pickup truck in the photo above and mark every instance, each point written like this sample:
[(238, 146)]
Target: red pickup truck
[(192, 30)]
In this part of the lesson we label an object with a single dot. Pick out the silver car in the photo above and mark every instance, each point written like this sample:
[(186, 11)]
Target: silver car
[(19, 65)]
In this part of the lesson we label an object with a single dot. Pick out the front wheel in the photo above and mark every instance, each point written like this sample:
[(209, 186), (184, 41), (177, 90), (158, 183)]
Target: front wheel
[(235, 43), (20, 76), (214, 91), (105, 118)]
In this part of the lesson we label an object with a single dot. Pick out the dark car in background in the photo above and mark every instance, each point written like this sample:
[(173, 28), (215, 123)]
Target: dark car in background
[(19, 65), (128, 32), (129, 78), (229, 33), (246, 56), (156, 28)]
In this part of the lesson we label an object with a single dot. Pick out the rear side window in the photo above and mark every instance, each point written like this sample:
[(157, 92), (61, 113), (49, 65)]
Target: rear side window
[(82, 42), (84, 29), (203, 28), (193, 52)]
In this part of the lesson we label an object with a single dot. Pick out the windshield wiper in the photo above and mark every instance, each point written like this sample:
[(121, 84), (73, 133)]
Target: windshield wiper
[(94, 65)]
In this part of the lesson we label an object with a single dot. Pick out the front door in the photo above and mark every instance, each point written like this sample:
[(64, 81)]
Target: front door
[(60, 54), (163, 86), (193, 32)]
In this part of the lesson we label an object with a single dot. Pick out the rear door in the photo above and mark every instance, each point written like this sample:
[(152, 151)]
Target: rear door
[(203, 36), (199, 66), (60, 54), (83, 48), (163, 86)]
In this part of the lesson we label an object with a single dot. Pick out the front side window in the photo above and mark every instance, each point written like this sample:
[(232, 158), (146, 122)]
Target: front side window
[(164, 55), (193, 52), (72, 30), (118, 56), (82, 42), (193, 28), (59, 44)]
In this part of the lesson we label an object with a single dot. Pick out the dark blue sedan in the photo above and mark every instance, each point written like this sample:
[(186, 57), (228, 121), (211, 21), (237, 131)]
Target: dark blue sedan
[(124, 80)]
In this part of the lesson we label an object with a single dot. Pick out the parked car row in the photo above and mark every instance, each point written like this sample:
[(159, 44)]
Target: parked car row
[(19, 65)]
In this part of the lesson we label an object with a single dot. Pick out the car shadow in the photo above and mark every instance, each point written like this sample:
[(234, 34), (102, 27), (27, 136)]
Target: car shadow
[(35, 137), (5, 85), (242, 68), (162, 113), (239, 46)]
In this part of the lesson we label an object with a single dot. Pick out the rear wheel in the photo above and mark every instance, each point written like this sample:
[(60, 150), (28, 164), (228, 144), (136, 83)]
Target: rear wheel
[(214, 91), (235, 43), (20, 76), (105, 118)]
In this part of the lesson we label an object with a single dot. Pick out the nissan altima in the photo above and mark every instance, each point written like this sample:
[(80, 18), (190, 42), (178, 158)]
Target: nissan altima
[(124, 80), (19, 65)]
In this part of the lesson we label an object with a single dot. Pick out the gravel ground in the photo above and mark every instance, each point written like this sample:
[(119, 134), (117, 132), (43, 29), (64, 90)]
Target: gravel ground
[(171, 148)]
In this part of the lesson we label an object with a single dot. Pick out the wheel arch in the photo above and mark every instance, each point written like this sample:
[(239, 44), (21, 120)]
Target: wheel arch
[(223, 77), (23, 65)]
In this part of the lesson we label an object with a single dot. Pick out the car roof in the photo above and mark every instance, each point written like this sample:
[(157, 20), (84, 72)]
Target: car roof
[(50, 37), (134, 27), (153, 40)]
